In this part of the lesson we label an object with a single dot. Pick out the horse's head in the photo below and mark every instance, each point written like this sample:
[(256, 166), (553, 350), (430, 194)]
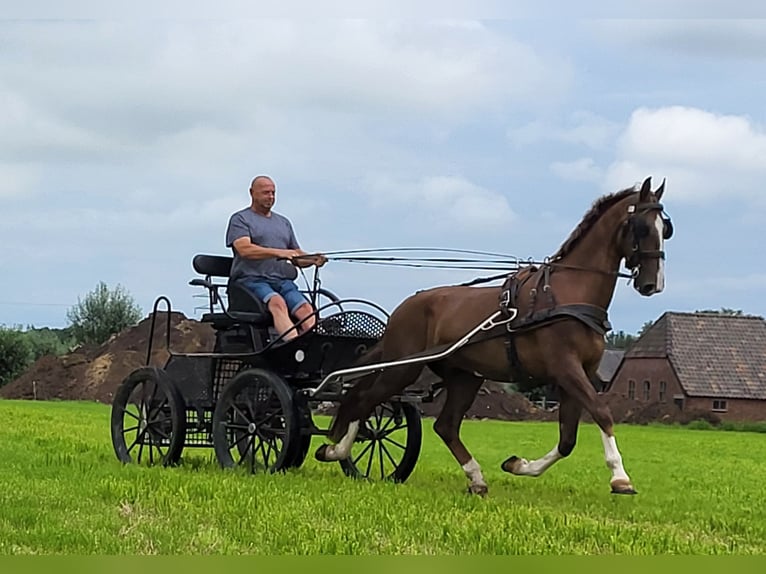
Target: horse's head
[(642, 239)]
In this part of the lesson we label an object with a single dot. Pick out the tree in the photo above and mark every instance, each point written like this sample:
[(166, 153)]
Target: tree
[(619, 340), (47, 341), (645, 327), (102, 313), (722, 311), (15, 354)]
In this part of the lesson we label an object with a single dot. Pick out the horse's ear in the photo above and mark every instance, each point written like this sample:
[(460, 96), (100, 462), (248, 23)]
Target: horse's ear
[(646, 189), (660, 190)]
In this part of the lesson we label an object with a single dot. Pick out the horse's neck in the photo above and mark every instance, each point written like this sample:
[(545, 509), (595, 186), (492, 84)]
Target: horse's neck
[(597, 251)]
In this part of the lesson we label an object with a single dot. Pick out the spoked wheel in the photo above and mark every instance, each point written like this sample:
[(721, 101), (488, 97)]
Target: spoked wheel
[(148, 419), (388, 444), (254, 423)]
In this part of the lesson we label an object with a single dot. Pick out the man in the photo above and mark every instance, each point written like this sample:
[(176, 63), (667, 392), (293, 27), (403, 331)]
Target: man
[(259, 238)]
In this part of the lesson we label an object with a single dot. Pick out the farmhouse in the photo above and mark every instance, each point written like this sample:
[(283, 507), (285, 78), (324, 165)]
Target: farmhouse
[(699, 361)]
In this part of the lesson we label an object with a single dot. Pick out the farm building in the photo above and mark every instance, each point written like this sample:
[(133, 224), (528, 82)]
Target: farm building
[(699, 361), (610, 362)]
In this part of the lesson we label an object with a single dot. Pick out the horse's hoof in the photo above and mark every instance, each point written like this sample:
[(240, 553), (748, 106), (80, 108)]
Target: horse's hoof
[(321, 453), (480, 489), (622, 487), (509, 463), (512, 464)]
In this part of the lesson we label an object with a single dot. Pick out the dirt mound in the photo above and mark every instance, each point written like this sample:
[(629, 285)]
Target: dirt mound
[(494, 402), (94, 373)]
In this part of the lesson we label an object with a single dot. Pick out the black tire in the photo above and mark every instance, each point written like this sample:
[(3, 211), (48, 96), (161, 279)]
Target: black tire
[(388, 444), (148, 422), (254, 423)]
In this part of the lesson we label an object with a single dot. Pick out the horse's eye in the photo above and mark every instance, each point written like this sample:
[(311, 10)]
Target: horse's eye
[(640, 229)]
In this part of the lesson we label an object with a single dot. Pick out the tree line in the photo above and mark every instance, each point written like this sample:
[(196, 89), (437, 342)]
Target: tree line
[(102, 313)]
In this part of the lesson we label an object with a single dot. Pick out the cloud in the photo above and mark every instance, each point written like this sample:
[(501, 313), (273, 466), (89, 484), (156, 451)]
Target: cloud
[(132, 83), (583, 169), (721, 38), (442, 202), (581, 128), (17, 180), (703, 155)]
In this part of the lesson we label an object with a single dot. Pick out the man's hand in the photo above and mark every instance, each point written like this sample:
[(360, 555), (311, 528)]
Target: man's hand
[(319, 259)]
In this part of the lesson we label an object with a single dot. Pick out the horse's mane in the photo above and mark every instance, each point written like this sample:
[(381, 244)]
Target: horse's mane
[(589, 219)]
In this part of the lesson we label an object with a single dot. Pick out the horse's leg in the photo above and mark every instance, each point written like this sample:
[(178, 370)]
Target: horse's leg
[(357, 405), (461, 389), (569, 419), (572, 380)]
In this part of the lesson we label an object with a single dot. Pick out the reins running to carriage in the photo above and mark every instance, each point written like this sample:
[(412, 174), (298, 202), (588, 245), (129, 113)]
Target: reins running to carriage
[(483, 261)]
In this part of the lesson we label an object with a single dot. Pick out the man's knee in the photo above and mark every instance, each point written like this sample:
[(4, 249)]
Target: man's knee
[(276, 304)]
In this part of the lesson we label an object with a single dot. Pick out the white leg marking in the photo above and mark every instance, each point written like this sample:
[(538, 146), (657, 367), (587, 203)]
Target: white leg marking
[(660, 280), (613, 457), (473, 472), (341, 450), (539, 466)]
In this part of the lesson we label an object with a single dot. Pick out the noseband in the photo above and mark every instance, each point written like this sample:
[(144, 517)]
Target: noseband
[(634, 260)]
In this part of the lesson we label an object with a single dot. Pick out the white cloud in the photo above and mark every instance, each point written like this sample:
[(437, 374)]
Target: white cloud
[(443, 202), (135, 82), (726, 38), (703, 155), (17, 180), (580, 128), (583, 169)]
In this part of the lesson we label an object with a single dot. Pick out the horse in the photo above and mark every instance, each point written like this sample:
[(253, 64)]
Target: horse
[(555, 334)]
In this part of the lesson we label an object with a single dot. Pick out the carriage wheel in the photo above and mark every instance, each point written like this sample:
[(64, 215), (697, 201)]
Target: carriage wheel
[(148, 421), (388, 444), (254, 422)]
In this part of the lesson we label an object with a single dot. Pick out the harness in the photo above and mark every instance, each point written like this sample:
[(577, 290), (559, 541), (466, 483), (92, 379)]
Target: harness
[(592, 316)]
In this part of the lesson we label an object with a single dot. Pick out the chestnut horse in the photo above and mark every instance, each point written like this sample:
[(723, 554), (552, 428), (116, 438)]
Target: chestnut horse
[(557, 335)]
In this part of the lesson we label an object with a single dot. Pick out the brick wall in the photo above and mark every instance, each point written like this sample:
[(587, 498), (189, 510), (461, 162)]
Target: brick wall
[(655, 371), (736, 409), (651, 371)]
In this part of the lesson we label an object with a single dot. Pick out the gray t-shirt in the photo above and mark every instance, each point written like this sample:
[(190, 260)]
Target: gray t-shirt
[(275, 232)]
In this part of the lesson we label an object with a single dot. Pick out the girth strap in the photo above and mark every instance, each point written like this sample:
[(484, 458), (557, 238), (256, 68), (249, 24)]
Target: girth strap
[(593, 316)]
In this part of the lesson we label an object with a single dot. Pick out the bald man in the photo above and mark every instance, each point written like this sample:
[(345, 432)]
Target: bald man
[(259, 237)]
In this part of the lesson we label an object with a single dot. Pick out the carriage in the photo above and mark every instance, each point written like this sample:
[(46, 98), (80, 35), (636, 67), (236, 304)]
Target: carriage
[(254, 397)]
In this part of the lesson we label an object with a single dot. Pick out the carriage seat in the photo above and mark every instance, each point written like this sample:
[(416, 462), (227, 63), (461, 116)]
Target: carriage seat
[(243, 306)]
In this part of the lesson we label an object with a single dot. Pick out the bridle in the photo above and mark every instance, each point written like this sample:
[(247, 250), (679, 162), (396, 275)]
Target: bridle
[(637, 255)]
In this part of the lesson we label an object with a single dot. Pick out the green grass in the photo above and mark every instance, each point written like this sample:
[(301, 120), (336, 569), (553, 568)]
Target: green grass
[(62, 491)]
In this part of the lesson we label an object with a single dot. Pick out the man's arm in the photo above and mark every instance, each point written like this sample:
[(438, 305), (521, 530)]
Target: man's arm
[(249, 250)]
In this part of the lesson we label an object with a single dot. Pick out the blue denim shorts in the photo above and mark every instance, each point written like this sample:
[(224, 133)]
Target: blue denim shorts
[(265, 290)]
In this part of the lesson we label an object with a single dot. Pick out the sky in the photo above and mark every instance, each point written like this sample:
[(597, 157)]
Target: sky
[(126, 144)]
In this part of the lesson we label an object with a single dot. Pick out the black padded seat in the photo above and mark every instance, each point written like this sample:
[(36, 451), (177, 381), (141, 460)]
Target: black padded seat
[(244, 307), (224, 321)]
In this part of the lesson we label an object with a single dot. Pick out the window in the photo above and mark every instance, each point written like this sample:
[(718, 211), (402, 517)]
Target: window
[(647, 390), (720, 406), (631, 389), (663, 390)]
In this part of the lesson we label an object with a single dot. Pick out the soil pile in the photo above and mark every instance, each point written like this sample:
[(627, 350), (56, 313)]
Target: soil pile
[(494, 402), (94, 373)]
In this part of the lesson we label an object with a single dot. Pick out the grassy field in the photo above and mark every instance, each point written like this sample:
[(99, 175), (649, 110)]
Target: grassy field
[(62, 491)]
